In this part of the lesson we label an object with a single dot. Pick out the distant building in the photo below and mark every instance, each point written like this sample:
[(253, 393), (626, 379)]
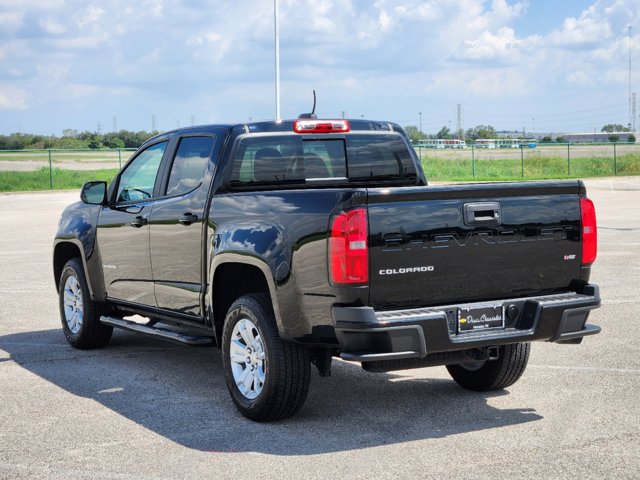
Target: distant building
[(599, 137)]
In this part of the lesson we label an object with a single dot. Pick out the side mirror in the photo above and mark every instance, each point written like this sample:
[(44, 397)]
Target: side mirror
[(94, 193)]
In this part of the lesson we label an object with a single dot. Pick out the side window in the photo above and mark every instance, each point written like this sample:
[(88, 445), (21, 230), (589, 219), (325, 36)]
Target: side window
[(383, 157), (189, 164), (137, 181), (267, 161)]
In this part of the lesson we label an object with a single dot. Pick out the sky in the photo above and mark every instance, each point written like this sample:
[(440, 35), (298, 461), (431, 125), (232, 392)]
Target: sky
[(538, 65)]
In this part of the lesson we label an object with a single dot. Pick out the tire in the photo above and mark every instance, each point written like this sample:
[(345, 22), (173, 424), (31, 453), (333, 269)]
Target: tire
[(276, 374), (79, 314), (494, 374)]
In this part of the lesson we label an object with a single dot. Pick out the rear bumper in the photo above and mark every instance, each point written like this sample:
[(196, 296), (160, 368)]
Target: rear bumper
[(367, 335)]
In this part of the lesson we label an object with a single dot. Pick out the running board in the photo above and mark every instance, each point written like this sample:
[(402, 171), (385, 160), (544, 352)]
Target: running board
[(157, 332)]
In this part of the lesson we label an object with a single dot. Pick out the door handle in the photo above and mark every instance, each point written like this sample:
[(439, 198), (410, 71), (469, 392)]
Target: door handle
[(188, 219), (139, 222), (483, 213)]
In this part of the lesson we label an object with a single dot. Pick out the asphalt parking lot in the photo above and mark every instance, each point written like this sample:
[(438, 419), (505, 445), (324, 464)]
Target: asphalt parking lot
[(141, 408)]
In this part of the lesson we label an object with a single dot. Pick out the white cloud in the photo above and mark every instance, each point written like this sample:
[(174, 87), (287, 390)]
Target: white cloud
[(91, 15), (504, 44), (12, 98), (52, 26), (491, 82), (579, 77), (215, 59), (53, 72), (80, 42), (585, 31), (11, 19)]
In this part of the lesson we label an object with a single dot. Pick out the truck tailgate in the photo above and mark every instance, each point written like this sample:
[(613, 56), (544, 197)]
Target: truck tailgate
[(465, 243)]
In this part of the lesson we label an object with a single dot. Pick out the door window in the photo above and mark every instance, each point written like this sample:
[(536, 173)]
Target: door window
[(189, 164), (138, 179)]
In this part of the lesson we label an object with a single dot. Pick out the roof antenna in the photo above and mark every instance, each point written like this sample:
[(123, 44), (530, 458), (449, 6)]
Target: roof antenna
[(311, 115)]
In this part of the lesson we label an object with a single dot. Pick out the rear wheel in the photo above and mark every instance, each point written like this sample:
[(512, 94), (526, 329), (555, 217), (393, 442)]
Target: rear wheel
[(268, 379), (494, 374), (80, 315)]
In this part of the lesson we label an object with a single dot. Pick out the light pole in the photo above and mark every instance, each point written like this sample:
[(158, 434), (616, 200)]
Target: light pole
[(533, 126), (277, 42), (420, 113)]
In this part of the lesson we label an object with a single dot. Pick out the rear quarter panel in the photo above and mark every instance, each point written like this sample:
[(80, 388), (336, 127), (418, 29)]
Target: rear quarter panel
[(285, 234)]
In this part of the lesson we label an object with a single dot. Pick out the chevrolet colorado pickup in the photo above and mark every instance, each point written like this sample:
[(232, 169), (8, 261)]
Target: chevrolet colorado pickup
[(289, 243)]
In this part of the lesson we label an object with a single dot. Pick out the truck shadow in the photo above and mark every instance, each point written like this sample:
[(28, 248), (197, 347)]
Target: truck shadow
[(180, 393)]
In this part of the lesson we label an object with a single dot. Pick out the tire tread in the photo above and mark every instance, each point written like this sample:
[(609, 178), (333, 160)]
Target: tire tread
[(292, 370), (93, 333)]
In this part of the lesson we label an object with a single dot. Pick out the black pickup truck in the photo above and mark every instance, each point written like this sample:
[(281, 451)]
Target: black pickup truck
[(289, 243)]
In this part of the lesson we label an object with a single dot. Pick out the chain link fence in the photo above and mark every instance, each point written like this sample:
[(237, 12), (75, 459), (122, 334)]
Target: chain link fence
[(543, 161), (55, 168)]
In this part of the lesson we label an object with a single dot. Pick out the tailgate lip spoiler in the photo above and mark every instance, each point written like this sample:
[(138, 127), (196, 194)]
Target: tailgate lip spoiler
[(476, 190)]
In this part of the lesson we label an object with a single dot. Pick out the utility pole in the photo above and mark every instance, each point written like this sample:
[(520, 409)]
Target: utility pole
[(420, 113), (115, 125), (533, 127), (99, 128), (633, 111), (277, 59), (631, 108), (459, 122)]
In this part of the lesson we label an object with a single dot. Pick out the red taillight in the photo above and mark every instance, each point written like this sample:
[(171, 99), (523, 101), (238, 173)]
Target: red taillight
[(321, 126), (348, 248), (589, 231)]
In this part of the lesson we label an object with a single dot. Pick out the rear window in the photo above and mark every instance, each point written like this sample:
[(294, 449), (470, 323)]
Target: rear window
[(294, 159), (379, 157)]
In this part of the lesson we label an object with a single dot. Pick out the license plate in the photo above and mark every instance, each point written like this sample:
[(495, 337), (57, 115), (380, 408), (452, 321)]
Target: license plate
[(480, 317)]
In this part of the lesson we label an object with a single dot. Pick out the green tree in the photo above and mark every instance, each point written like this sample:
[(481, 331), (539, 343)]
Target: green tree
[(481, 131), (414, 134), (115, 142), (69, 132), (614, 138), (95, 143), (613, 127), (631, 138), (546, 139), (444, 133), (560, 140)]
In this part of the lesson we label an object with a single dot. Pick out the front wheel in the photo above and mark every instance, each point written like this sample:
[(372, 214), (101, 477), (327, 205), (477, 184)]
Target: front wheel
[(494, 374), (80, 315), (268, 379)]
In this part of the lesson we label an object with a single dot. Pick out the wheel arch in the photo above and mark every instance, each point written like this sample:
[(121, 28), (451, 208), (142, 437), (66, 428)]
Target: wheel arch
[(237, 275), (63, 251)]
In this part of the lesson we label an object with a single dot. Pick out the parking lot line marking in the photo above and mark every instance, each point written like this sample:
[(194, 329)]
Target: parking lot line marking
[(626, 371)]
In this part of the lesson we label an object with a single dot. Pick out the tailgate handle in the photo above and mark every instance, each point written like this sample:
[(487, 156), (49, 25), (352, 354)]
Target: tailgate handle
[(485, 213)]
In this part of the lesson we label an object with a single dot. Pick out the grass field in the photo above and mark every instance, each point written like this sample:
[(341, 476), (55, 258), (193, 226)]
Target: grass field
[(40, 179), (57, 157), (438, 165), (437, 168)]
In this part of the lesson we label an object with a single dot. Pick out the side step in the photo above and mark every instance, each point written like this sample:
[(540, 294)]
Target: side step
[(158, 332)]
